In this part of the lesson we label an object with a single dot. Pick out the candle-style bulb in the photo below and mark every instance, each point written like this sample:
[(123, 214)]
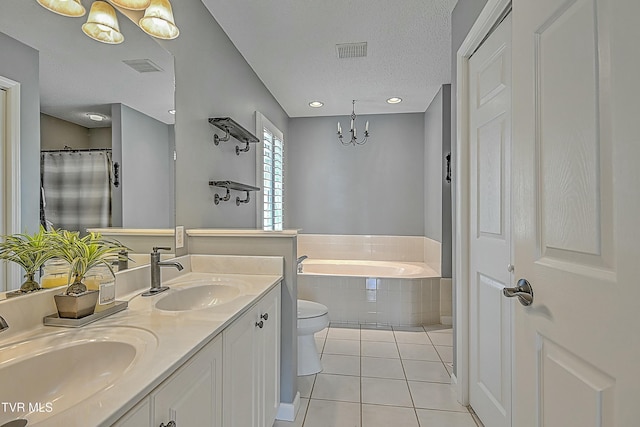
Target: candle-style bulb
[(366, 126)]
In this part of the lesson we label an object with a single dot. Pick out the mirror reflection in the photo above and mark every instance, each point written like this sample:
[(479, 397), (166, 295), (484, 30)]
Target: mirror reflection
[(107, 139)]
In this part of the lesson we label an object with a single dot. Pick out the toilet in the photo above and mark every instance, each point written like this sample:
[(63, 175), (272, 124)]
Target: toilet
[(312, 318)]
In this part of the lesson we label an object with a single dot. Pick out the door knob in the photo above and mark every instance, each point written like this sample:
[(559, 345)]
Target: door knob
[(523, 291)]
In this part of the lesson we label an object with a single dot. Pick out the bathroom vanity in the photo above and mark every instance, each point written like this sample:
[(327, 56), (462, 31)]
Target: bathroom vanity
[(205, 352)]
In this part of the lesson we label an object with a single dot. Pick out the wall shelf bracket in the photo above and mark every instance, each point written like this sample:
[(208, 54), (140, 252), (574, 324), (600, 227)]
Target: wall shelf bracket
[(232, 129), (217, 199), (239, 200), (236, 186)]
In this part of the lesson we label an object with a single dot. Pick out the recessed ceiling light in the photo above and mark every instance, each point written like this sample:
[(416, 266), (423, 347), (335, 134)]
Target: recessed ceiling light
[(394, 100), (96, 117), (172, 111), (316, 104)]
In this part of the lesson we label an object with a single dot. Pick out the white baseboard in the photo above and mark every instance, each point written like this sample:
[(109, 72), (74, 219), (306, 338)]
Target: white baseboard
[(446, 320), (288, 411)]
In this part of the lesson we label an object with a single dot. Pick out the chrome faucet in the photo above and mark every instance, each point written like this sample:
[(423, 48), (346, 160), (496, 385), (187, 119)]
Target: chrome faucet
[(156, 280), (299, 262), (3, 324)]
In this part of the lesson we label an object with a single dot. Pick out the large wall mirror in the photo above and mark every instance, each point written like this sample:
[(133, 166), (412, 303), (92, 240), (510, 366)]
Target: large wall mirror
[(102, 107)]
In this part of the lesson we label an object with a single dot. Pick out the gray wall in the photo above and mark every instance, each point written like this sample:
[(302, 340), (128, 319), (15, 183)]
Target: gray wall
[(377, 188), (447, 231), (433, 168), (20, 63), (145, 175), (56, 134), (213, 80), (437, 201)]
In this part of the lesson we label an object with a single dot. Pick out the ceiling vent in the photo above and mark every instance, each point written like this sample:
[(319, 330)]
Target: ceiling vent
[(143, 65), (351, 50)]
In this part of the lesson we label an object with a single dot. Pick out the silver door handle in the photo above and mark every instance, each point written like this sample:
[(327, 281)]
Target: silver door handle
[(523, 291)]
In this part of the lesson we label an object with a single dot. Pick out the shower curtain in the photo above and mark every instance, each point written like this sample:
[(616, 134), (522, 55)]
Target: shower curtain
[(76, 190)]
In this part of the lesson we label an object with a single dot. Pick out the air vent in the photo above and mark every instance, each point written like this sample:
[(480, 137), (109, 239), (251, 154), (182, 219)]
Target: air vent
[(351, 50), (143, 65)]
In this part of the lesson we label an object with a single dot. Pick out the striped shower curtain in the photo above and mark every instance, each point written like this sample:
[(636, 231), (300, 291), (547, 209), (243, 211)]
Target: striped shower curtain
[(76, 190)]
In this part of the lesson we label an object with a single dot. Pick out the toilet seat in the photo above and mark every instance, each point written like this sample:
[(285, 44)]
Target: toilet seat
[(310, 309)]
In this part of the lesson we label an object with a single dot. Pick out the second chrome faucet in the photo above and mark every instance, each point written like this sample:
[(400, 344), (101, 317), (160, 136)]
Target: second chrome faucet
[(156, 280)]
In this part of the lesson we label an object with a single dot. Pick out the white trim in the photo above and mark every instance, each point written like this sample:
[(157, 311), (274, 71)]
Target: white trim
[(261, 123), (288, 411), (489, 16), (11, 170)]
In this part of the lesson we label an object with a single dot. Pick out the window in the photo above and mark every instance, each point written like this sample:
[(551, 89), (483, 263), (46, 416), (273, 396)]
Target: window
[(270, 174)]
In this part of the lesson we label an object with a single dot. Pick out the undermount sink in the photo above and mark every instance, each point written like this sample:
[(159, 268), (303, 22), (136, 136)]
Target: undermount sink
[(51, 373), (198, 297)]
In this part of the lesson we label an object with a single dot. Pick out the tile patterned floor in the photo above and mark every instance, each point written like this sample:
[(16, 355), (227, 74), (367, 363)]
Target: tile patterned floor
[(381, 377)]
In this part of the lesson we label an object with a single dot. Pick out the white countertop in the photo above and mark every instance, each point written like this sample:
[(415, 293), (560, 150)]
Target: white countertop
[(173, 337)]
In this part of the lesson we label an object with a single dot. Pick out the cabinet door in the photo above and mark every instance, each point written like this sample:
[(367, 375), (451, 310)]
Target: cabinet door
[(240, 391), (193, 395), (269, 357), (138, 416)]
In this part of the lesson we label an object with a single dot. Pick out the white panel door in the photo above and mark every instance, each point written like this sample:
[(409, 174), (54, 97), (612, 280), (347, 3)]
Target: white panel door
[(490, 227), (576, 207)]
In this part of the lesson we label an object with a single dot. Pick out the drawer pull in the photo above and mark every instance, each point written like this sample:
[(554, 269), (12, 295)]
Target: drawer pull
[(265, 316), (171, 424), (259, 324)]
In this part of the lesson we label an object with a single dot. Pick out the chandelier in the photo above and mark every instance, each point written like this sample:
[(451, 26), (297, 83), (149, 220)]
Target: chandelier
[(354, 137), (102, 22)]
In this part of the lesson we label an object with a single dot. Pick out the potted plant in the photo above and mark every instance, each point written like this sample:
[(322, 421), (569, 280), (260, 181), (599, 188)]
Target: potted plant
[(82, 254), (30, 252)]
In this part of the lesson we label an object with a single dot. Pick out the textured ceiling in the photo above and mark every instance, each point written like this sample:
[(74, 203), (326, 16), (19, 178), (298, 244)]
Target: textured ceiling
[(79, 75), (290, 44)]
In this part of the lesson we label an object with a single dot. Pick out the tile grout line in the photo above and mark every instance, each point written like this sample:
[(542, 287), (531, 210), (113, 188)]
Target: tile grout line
[(413, 403)]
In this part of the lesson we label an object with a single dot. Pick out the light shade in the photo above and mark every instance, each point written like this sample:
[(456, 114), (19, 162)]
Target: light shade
[(102, 24), (158, 20), (132, 4), (72, 8)]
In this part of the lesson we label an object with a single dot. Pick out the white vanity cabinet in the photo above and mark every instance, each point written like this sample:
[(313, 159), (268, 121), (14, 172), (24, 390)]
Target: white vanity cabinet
[(252, 365), (192, 396)]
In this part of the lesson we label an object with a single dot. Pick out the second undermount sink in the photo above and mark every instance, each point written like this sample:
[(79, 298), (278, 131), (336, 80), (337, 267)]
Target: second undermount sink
[(57, 371), (199, 296)]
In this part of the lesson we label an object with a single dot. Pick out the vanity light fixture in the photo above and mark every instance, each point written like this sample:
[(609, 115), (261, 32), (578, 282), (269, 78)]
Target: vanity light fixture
[(158, 20), (72, 8), (316, 104), (354, 141), (132, 4), (102, 24), (394, 100)]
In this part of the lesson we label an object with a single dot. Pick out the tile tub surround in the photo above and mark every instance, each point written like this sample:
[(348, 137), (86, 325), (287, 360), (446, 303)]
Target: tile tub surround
[(374, 301), (375, 248), (178, 335)]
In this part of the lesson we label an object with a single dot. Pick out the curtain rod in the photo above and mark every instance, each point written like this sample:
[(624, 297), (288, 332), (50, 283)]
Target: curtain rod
[(71, 150)]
